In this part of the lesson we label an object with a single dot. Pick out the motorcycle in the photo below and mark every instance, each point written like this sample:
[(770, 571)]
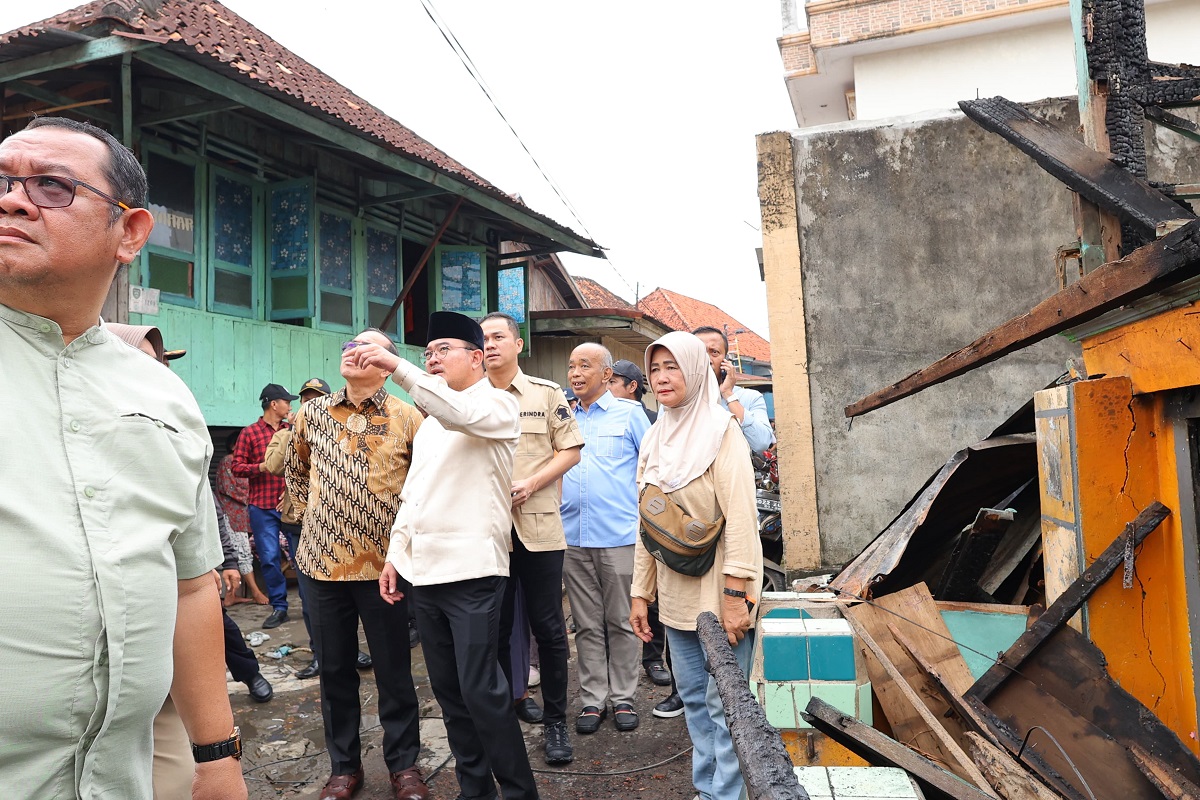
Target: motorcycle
[(770, 521)]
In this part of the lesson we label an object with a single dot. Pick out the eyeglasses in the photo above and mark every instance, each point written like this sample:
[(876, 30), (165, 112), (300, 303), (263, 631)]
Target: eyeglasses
[(442, 351), (350, 345), (52, 191)]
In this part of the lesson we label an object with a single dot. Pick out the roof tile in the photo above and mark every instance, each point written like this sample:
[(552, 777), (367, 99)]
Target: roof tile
[(683, 313)]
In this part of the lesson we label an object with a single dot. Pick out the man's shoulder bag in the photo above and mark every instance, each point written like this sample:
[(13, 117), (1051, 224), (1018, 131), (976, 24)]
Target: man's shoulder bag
[(680, 542)]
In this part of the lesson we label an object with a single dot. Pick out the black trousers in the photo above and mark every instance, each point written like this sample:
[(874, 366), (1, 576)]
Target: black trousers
[(540, 581), (242, 663), (459, 624), (335, 607), (656, 649)]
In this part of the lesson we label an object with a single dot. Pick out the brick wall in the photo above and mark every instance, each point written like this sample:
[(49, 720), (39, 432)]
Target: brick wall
[(832, 22)]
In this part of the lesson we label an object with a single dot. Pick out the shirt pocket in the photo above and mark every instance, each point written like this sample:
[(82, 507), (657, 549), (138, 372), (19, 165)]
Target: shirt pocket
[(610, 441), (533, 441)]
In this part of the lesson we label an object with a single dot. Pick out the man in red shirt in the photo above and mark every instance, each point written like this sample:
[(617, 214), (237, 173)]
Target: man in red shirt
[(265, 491)]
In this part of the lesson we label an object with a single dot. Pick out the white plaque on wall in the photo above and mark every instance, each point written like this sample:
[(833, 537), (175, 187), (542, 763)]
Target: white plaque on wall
[(143, 300)]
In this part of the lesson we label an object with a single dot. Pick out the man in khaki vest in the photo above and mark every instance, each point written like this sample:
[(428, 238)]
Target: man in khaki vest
[(549, 446)]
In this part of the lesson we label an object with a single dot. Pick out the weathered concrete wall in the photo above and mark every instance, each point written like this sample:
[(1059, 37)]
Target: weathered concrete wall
[(915, 237)]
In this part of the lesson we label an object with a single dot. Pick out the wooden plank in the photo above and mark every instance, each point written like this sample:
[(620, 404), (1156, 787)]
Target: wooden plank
[(986, 608), (882, 751), (903, 703), (973, 553), (1003, 734), (1071, 600), (1081, 168), (1182, 126), (1009, 778), (1167, 780), (1071, 669), (1104, 764), (1165, 262), (917, 617)]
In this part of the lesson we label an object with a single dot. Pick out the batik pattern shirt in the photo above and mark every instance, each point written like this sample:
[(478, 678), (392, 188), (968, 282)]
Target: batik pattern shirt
[(346, 466)]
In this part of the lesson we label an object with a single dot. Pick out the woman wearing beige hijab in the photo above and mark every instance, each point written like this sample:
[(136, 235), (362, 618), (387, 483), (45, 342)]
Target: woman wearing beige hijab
[(696, 454)]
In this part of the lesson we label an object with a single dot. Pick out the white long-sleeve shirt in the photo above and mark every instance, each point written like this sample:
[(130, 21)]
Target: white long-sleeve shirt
[(455, 518)]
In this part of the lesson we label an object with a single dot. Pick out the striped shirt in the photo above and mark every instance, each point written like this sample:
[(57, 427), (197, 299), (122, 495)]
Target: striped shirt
[(345, 469)]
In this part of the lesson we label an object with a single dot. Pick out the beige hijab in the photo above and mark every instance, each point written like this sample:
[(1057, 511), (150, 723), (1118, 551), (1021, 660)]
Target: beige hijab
[(684, 441)]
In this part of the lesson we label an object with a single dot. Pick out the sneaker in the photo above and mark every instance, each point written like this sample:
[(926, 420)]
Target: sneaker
[(558, 744), (363, 660), (535, 677), (277, 618), (671, 707)]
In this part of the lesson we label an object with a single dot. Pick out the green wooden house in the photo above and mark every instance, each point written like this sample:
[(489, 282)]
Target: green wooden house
[(290, 212)]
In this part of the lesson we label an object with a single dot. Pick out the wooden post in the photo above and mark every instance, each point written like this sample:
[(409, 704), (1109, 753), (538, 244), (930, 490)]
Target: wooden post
[(390, 316), (785, 305)]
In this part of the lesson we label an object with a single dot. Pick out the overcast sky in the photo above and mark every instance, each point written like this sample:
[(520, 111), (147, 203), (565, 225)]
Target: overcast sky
[(644, 113)]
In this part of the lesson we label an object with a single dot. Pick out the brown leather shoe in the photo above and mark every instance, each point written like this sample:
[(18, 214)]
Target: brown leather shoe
[(409, 785), (342, 787)]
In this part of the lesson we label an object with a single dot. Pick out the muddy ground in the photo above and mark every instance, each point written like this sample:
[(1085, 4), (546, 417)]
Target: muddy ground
[(284, 742)]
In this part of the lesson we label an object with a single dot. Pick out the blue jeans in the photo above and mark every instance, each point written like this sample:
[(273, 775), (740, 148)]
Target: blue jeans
[(265, 523), (292, 533), (715, 770)]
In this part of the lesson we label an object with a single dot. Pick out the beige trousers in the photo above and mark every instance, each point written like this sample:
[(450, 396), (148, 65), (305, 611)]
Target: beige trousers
[(598, 580), (173, 763)]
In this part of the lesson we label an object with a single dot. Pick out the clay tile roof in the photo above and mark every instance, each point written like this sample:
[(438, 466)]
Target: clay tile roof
[(597, 296), (683, 313), (209, 33)]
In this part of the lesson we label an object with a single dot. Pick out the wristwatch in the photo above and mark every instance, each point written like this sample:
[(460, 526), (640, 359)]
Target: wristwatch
[(734, 592), (202, 753)]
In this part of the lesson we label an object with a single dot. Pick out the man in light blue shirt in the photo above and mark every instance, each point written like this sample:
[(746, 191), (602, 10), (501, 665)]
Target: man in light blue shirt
[(746, 404), (600, 519)]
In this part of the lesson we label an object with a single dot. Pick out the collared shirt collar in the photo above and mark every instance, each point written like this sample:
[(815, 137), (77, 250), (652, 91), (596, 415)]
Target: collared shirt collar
[(49, 331), (604, 401), (379, 398), (520, 382)]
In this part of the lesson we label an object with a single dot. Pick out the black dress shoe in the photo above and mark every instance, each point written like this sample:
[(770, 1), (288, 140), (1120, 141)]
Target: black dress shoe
[(364, 661), (658, 673), (313, 670), (589, 719), (260, 689), (277, 618), (528, 710), (414, 636)]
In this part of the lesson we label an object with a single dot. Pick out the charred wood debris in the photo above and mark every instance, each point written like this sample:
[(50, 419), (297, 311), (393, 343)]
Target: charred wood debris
[(1044, 720)]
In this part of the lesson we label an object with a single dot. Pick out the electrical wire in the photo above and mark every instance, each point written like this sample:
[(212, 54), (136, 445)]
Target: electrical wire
[(469, 64), (616, 772), (914, 623), (1060, 749)]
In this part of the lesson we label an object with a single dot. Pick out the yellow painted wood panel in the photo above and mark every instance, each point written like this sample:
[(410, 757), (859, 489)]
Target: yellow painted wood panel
[(1061, 559), (1055, 471), (1156, 354)]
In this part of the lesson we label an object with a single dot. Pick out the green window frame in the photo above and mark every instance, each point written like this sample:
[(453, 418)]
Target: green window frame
[(337, 265), (383, 286), (166, 264), (460, 280), (235, 242), (292, 242), (512, 298)]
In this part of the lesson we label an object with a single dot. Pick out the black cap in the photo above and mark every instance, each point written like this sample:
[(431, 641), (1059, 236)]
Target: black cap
[(315, 385), (273, 391), (451, 325), (570, 393), (629, 371)]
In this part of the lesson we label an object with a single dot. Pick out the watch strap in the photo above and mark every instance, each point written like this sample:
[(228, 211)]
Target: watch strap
[(203, 753), (734, 592)]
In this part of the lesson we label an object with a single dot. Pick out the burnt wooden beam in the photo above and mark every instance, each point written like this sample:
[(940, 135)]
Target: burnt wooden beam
[(883, 751), (1164, 262), (1182, 126), (1164, 776), (1169, 92), (766, 765), (1069, 602), (1081, 168)]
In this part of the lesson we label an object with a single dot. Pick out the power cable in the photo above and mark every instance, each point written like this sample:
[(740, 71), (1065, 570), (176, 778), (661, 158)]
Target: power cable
[(469, 64)]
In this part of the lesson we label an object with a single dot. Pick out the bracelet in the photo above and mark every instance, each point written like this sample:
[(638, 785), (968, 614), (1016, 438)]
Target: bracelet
[(733, 400), (733, 592)]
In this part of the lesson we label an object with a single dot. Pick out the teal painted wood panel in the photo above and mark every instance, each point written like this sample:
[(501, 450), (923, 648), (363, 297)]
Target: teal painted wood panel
[(230, 359), (980, 634)]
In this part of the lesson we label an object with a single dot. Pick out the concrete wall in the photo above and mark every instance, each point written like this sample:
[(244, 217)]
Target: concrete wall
[(1022, 63), (901, 242)]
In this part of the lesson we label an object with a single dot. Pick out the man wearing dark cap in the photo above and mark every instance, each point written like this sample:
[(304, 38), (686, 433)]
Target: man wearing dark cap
[(347, 463), (628, 382), (249, 456), (451, 541)]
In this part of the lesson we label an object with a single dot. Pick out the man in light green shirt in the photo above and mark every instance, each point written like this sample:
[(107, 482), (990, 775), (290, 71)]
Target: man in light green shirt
[(108, 523)]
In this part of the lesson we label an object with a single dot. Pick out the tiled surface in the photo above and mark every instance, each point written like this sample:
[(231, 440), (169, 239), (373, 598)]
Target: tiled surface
[(870, 782), (783, 703), (866, 711), (842, 696), (857, 783), (830, 658), (785, 658)]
